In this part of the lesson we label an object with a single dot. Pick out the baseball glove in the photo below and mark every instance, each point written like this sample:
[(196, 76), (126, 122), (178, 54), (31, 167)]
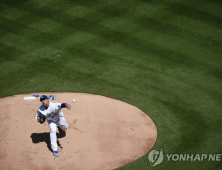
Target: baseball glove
[(41, 119)]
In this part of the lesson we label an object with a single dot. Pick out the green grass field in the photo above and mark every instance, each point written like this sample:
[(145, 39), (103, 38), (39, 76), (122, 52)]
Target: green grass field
[(164, 57)]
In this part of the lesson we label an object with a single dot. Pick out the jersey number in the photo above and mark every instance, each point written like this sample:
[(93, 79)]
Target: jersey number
[(53, 115)]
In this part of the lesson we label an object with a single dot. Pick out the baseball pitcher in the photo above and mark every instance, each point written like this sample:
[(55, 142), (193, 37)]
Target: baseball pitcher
[(55, 117)]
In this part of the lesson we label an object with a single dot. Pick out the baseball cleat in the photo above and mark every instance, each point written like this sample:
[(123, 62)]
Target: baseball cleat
[(55, 153)]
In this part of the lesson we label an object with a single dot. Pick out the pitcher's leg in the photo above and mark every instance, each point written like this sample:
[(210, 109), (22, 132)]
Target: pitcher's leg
[(63, 125), (53, 137)]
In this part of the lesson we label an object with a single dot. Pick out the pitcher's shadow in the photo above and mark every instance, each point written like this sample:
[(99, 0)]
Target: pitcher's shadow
[(45, 137)]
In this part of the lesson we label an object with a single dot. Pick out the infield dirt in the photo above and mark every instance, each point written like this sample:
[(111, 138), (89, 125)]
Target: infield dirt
[(103, 133)]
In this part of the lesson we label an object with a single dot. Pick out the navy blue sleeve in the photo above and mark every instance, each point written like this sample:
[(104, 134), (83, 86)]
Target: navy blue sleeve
[(63, 105)]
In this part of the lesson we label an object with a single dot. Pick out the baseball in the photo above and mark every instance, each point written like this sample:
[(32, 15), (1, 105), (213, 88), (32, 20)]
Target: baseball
[(73, 100)]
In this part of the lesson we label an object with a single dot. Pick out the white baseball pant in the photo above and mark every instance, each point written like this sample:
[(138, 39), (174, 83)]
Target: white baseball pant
[(53, 127)]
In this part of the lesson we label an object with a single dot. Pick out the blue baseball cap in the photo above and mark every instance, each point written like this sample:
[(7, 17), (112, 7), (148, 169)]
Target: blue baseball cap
[(43, 97)]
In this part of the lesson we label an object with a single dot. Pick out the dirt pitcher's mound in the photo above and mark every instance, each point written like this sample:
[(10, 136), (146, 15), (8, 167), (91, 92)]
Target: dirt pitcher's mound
[(103, 133)]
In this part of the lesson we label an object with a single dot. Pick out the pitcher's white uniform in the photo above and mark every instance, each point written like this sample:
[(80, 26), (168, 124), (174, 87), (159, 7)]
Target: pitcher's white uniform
[(54, 116)]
